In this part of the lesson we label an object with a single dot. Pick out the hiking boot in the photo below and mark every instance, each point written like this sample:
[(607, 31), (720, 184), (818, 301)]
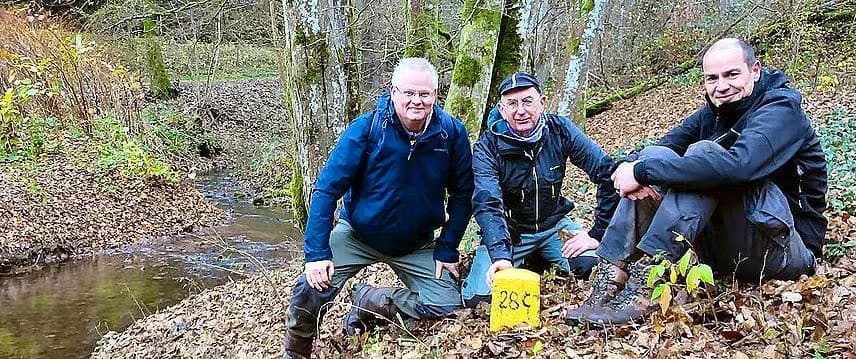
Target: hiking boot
[(368, 303), (609, 279), (632, 303), (297, 347)]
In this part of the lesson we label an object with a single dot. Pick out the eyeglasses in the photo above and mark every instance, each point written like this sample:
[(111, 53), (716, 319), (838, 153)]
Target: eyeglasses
[(422, 95), (512, 105)]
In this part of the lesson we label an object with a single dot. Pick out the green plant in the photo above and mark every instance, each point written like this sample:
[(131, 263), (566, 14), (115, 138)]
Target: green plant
[(694, 274), (838, 136)]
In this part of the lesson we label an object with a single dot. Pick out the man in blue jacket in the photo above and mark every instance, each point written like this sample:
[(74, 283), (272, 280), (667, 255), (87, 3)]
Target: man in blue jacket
[(394, 166), (743, 180), (519, 166)]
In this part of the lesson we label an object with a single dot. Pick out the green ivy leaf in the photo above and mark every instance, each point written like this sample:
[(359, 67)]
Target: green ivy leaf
[(684, 263), (705, 273)]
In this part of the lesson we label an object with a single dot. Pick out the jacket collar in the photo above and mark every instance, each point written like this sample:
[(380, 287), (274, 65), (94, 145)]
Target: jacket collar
[(769, 80)]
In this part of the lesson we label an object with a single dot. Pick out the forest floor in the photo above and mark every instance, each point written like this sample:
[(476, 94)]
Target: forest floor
[(814, 316)]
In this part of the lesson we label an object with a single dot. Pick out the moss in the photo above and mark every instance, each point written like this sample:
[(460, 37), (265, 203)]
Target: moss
[(158, 76), (509, 58), (585, 8), (463, 107), (295, 191), (573, 45), (467, 71)]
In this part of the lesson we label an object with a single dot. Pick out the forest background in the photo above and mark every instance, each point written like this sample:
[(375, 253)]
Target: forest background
[(111, 108)]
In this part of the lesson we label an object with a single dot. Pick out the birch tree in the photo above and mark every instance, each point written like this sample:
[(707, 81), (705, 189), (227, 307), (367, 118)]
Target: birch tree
[(580, 40), (318, 61)]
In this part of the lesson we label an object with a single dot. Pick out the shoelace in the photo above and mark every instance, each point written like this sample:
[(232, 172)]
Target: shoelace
[(638, 272), (602, 283)]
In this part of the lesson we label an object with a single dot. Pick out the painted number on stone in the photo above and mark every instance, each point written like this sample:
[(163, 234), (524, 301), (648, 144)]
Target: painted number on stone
[(513, 300)]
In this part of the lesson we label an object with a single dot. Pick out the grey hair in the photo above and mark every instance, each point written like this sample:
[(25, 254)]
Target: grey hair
[(415, 64)]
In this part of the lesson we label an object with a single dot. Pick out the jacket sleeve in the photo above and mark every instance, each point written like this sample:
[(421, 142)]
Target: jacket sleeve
[(773, 134), (681, 137), (589, 157), (487, 201), (459, 206), (334, 180)]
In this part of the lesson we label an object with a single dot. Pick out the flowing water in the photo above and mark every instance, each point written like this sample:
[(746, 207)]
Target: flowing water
[(61, 310)]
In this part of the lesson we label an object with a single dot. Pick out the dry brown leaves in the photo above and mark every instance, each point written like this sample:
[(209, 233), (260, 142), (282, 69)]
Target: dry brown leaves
[(812, 316), (64, 208)]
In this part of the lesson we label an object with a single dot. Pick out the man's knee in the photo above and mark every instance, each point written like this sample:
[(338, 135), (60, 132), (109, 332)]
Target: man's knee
[(581, 266), (704, 146)]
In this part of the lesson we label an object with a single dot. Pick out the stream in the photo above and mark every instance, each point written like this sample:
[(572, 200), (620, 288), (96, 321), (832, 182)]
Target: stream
[(61, 310)]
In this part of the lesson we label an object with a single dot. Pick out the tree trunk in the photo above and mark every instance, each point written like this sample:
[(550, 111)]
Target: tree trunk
[(424, 27), (471, 79), (580, 40), (319, 97), (513, 48)]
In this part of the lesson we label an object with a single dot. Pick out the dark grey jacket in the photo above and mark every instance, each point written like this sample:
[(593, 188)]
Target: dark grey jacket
[(518, 186), (768, 136)]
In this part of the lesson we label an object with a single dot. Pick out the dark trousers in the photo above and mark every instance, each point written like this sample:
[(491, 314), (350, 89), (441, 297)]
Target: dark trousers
[(747, 230)]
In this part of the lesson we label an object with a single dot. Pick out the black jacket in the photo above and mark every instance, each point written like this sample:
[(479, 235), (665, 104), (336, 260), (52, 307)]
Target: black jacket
[(768, 136), (518, 186)]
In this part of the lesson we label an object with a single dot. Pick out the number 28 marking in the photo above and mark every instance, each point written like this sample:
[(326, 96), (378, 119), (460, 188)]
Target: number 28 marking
[(512, 300)]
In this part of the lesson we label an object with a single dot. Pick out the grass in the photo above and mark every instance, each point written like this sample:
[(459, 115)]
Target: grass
[(193, 61)]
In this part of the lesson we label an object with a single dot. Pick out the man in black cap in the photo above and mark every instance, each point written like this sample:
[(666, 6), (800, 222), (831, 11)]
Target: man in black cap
[(519, 167)]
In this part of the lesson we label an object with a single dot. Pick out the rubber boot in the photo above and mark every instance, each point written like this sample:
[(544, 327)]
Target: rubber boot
[(297, 347), (369, 303)]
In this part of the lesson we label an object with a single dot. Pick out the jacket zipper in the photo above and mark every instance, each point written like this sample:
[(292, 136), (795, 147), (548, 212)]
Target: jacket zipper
[(535, 174), (534, 158)]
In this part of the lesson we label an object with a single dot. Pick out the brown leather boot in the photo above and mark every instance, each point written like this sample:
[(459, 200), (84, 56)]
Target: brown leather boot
[(368, 302), (609, 279), (632, 303), (297, 347)]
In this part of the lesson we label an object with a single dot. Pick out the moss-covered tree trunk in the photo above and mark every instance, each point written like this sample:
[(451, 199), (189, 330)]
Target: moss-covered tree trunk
[(424, 29), (158, 76), (471, 78), (580, 40), (319, 87), (513, 48)]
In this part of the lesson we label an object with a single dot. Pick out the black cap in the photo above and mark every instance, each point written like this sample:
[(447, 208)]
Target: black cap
[(519, 80)]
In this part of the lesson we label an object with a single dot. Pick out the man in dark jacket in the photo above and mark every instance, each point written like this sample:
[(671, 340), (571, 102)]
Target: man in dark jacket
[(519, 167), (743, 180), (394, 166)]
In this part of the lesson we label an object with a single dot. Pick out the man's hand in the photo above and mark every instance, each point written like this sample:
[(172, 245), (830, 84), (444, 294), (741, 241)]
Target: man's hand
[(319, 274), (623, 179), (496, 267), (645, 192), (451, 267), (579, 242)]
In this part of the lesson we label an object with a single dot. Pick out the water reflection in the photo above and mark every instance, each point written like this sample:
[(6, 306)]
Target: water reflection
[(61, 310)]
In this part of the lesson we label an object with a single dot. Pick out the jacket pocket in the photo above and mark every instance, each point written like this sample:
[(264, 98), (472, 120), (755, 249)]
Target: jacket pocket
[(770, 226)]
